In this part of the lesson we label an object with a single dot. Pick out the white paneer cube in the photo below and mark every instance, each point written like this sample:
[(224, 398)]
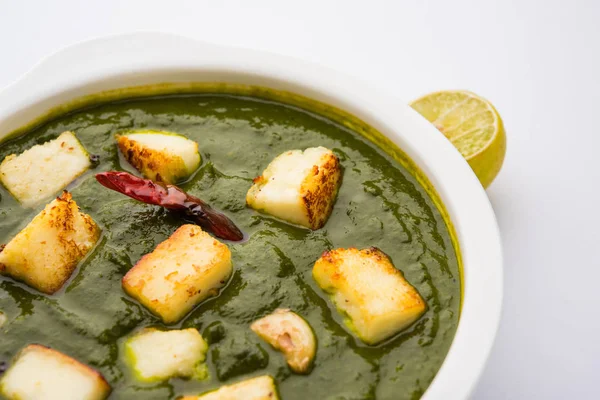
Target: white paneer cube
[(159, 355), (259, 388), (160, 156), (181, 272), (41, 373), (370, 291), (46, 252), (298, 186), (44, 170), (289, 333)]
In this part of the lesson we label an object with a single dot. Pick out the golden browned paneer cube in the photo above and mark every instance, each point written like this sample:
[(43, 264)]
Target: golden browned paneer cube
[(298, 186), (47, 251), (259, 388), (160, 156), (45, 169), (370, 291), (157, 355), (182, 271), (42, 373)]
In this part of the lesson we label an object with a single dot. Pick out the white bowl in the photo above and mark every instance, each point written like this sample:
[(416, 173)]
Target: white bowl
[(149, 58)]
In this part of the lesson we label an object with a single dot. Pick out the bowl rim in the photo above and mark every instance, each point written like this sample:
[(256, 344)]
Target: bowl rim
[(143, 58)]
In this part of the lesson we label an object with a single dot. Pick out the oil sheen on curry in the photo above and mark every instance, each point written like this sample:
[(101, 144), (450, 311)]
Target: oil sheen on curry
[(217, 247)]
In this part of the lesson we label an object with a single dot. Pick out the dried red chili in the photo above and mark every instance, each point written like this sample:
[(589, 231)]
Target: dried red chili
[(172, 198)]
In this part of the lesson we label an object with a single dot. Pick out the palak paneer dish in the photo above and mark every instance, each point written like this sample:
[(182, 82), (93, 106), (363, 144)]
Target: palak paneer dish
[(212, 246)]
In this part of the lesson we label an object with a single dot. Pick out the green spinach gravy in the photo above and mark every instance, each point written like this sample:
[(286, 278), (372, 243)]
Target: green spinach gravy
[(379, 204)]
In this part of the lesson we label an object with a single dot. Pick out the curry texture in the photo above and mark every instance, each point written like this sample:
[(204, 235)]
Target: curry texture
[(379, 204)]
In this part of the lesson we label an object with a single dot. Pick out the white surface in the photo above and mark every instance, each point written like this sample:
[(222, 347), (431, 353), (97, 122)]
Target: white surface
[(537, 61)]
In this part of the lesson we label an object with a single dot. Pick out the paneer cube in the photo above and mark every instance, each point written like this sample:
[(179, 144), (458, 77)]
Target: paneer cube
[(46, 252), (160, 156), (44, 170), (289, 333), (42, 373), (298, 186), (181, 272), (366, 287), (3, 319), (259, 388), (159, 355)]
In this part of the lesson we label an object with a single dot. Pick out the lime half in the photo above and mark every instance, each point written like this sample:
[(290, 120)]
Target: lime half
[(473, 126)]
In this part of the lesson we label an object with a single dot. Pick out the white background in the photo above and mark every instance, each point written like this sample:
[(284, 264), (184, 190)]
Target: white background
[(537, 61)]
